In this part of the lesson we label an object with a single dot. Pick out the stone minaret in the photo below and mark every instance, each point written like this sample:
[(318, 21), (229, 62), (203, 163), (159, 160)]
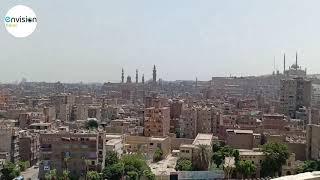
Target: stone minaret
[(284, 64), (142, 78), (296, 60), (122, 76), (154, 75), (137, 76)]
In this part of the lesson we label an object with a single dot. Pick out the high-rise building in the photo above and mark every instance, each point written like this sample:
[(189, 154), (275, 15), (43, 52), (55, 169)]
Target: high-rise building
[(294, 94), (9, 142), (157, 120), (189, 119), (29, 147), (313, 141), (204, 121)]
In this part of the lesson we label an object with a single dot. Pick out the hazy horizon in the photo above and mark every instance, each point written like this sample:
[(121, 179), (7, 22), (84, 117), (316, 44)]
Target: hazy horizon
[(91, 41)]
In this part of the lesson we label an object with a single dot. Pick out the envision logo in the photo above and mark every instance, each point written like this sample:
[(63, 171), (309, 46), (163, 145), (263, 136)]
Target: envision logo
[(20, 21)]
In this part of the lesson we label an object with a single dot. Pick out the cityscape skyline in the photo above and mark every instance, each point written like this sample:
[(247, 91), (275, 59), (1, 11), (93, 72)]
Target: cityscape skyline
[(202, 40)]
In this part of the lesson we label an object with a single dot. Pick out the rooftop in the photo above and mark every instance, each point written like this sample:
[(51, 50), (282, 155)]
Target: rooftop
[(205, 139)]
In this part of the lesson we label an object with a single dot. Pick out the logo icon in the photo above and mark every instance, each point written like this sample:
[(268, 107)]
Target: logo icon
[(20, 21)]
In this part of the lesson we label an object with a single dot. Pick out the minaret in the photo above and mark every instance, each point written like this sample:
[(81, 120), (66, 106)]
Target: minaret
[(284, 63), (196, 82), (137, 76), (142, 78), (296, 60), (154, 75), (122, 76)]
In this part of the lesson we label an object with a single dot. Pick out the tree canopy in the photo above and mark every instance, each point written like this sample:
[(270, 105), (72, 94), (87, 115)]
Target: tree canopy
[(131, 166), (246, 168), (10, 171), (222, 151), (276, 156), (157, 155), (92, 124), (183, 165)]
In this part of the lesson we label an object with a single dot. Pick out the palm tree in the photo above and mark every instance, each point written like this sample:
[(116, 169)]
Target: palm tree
[(65, 174), (52, 175), (93, 175), (203, 157)]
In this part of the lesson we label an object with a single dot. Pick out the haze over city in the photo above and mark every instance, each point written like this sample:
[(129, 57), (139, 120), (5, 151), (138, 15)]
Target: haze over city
[(91, 41)]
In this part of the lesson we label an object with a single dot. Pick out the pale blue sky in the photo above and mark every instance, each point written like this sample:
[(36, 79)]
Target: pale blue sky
[(80, 40)]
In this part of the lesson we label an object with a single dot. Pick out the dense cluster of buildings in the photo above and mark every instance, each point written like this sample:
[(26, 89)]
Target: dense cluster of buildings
[(46, 123)]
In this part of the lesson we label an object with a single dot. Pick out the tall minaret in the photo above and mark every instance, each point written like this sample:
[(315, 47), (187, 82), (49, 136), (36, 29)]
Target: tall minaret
[(122, 76), (142, 78), (284, 63), (196, 82), (296, 60), (137, 76), (154, 75)]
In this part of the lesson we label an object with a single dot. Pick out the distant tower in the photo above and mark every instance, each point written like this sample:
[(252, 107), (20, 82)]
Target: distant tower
[(196, 82), (296, 60), (154, 75), (137, 76), (142, 78), (284, 63), (128, 79), (122, 76)]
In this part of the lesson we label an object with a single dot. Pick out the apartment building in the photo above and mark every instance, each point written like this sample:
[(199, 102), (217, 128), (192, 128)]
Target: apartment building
[(29, 147), (157, 120), (78, 152), (9, 142)]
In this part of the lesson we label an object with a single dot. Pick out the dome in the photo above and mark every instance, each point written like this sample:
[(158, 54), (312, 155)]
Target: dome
[(121, 111)]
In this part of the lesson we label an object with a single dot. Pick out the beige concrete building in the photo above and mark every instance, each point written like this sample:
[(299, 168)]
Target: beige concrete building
[(189, 120), (294, 93), (256, 157), (189, 150), (242, 139), (204, 120), (115, 145), (313, 141), (9, 142), (78, 152), (147, 145), (157, 120), (29, 147)]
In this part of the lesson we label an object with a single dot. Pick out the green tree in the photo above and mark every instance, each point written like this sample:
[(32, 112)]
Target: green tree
[(92, 124), (111, 158), (183, 165), (309, 166), (65, 175), (23, 165), (51, 175), (113, 172), (276, 156), (157, 156), (203, 157), (93, 175), (222, 151), (149, 175), (133, 175), (246, 169), (9, 171)]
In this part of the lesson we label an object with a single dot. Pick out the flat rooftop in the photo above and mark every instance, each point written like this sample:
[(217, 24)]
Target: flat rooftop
[(113, 142), (205, 139)]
